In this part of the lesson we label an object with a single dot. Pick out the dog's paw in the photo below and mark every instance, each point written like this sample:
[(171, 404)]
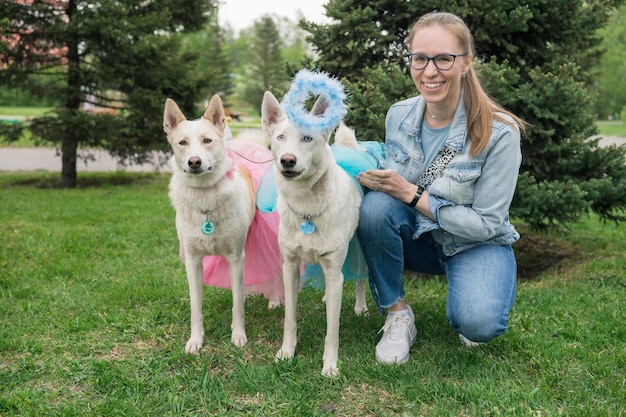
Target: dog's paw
[(283, 354), (330, 370), (239, 339), (360, 310), (271, 305), (193, 346)]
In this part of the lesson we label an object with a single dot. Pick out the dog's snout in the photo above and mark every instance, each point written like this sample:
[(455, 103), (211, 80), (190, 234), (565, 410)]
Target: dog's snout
[(194, 162), (288, 160)]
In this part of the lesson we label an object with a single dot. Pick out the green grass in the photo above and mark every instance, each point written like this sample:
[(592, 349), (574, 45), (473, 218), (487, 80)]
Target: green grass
[(95, 317), (612, 128), (23, 112), (18, 115)]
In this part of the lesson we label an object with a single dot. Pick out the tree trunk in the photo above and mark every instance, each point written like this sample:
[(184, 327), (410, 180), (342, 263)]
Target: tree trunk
[(69, 149), (69, 144)]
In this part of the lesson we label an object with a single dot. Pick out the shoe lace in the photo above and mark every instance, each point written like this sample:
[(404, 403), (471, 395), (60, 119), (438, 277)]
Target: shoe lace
[(395, 327)]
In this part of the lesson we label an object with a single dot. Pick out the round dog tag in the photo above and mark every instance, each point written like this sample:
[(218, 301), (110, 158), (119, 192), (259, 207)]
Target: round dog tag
[(307, 227), (207, 227)]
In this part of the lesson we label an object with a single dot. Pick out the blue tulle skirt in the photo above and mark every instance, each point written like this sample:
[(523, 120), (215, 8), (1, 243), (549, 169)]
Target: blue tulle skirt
[(369, 155)]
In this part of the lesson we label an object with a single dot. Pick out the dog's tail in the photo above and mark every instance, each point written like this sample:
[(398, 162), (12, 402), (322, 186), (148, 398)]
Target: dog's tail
[(346, 136)]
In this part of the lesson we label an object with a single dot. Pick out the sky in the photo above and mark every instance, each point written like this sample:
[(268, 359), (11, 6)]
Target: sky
[(242, 13)]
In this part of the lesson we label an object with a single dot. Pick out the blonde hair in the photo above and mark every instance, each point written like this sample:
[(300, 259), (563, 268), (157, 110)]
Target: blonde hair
[(481, 109)]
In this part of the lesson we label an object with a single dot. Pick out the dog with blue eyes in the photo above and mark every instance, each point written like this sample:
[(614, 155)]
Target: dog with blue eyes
[(318, 202)]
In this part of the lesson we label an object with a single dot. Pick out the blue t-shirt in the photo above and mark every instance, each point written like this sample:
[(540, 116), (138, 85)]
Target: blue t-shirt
[(432, 140)]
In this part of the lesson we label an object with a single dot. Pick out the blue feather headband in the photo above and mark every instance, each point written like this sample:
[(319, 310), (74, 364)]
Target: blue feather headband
[(309, 84)]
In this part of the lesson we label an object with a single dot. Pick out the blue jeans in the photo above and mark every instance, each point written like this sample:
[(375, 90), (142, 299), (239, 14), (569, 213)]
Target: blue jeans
[(481, 280)]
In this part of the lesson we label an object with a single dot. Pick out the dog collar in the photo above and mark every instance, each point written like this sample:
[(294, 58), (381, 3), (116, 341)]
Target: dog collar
[(208, 227), (307, 226)]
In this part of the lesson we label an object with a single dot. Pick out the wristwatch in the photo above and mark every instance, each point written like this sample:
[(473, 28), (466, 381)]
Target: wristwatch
[(417, 196)]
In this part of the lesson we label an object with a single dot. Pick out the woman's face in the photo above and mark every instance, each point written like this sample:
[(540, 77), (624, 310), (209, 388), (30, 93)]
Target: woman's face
[(436, 86)]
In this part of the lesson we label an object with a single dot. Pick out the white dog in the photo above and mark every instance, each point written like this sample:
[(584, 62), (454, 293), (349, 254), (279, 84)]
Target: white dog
[(318, 204), (215, 206)]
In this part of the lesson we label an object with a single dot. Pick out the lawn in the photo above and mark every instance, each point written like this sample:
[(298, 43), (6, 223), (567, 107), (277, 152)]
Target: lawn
[(612, 128), (95, 317), (23, 112)]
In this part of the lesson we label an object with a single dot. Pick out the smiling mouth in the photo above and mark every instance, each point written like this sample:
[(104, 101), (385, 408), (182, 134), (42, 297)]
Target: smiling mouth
[(196, 171), (289, 174), (433, 85)]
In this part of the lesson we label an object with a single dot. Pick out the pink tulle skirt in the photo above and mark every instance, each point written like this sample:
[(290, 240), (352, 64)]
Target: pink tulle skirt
[(263, 262)]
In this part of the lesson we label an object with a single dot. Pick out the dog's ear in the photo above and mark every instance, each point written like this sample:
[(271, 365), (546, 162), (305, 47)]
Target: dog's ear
[(172, 116), (319, 109), (271, 112), (320, 106), (215, 113)]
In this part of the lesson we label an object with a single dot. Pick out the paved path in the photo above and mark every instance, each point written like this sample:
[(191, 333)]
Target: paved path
[(610, 140), (47, 159)]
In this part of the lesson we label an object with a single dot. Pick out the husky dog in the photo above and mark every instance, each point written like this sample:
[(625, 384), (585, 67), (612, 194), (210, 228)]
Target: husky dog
[(215, 206), (318, 204)]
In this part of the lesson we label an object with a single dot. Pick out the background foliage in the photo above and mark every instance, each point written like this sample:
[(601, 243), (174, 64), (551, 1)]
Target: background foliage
[(264, 58), (611, 83), (535, 58), (123, 56), (543, 60)]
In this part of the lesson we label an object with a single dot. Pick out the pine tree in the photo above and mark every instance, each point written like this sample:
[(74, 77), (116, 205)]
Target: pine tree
[(535, 58), (213, 60), (122, 55), (263, 64)]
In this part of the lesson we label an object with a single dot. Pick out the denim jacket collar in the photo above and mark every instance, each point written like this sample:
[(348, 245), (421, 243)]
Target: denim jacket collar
[(456, 141)]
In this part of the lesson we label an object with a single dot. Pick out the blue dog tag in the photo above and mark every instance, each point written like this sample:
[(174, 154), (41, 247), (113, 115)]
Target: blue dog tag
[(207, 227), (307, 227)]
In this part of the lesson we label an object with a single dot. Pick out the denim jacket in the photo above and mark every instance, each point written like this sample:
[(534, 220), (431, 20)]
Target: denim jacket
[(471, 197)]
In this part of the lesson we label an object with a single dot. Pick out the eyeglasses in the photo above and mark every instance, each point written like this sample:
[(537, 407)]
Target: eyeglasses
[(443, 62)]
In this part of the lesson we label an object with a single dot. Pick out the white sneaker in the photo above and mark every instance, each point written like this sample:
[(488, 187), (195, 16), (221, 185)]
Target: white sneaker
[(399, 335), (468, 342)]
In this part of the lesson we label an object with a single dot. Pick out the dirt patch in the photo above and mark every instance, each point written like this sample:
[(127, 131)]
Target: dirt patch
[(536, 253)]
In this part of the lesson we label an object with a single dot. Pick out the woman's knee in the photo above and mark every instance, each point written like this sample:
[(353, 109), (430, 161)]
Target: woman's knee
[(481, 291), (479, 324)]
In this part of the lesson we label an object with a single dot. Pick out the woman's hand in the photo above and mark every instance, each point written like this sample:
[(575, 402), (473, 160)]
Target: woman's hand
[(388, 181)]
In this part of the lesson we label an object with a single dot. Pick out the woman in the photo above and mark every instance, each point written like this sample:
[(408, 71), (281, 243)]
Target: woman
[(441, 205)]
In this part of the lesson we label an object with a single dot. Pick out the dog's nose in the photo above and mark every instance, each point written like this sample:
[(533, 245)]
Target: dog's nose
[(288, 160), (194, 162)]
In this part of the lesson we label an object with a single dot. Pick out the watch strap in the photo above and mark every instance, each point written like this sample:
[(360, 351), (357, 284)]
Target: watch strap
[(417, 196)]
